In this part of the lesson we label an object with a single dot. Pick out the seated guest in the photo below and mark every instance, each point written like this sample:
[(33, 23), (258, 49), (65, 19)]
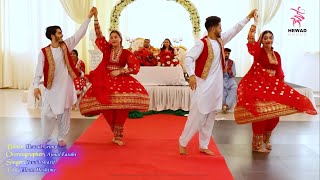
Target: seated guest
[(229, 84), (145, 55), (167, 54), (79, 82)]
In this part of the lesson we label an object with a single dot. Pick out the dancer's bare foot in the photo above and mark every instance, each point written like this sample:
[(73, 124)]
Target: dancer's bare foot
[(182, 150), (268, 146), (262, 150), (61, 143), (207, 151), (118, 142)]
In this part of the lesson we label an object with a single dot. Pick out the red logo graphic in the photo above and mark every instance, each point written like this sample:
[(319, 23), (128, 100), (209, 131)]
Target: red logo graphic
[(297, 18)]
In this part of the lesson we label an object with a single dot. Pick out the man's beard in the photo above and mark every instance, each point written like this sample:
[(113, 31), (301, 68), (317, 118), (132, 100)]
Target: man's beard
[(59, 39)]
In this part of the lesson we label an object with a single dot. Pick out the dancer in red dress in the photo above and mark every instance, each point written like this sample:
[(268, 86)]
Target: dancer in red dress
[(114, 92), (263, 96)]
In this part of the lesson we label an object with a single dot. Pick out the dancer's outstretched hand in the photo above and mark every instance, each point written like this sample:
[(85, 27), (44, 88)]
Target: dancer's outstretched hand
[(92, 11), (251, 15)]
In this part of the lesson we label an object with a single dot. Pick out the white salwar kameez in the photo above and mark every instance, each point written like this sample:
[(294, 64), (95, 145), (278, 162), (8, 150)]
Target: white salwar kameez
[(56, 102), (207, 98)]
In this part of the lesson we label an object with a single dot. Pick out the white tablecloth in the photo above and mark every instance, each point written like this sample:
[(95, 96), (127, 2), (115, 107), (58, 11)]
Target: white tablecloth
[(161, 76), (179, 97), (167, 97)]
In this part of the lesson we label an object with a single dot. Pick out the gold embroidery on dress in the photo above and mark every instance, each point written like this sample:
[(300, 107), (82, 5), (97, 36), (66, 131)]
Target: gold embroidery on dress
[(257, 140), (266, 110), (272, 57), (117, 101), (113, 67), (209, 60), (51, 67), (271, 72), (66, 60), (115, 55)]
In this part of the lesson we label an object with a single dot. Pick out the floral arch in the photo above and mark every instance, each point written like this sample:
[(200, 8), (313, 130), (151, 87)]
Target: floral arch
[(189, 6)]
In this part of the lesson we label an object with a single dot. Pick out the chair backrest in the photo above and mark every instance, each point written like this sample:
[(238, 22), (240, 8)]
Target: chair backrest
[(181, 56), (136, 44)]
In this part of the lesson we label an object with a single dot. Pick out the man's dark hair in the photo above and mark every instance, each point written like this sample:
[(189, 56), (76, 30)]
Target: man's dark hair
[(51, 30), (227, 49), (212, 21)]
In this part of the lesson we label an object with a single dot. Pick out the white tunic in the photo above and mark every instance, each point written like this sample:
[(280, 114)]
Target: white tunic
[(62, 93), (208, 94)]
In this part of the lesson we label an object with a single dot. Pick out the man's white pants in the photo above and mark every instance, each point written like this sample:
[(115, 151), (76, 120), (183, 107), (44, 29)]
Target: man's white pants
[(49, 119), (198, 122)]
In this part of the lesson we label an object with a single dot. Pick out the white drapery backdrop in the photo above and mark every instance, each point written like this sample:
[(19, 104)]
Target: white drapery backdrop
[(22, 33), (266, 9), (300, 52), (78, 11)]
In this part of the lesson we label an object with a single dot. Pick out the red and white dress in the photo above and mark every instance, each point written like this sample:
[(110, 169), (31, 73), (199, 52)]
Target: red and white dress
[(167, 58), (262, 92), (120, 92)]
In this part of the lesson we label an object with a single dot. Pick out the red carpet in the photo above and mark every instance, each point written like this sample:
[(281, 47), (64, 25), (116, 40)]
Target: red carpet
[(151, 153)]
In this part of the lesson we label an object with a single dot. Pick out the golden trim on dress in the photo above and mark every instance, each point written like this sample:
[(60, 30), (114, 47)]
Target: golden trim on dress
[(209, 60), (266, 110), (66, 60), (117, 101), (51, 67)]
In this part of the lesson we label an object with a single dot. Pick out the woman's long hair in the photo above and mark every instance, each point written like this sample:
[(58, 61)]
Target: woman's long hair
[(171, 49)]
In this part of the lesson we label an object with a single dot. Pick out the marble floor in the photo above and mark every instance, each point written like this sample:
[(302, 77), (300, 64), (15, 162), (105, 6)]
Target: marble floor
[(295, 153)]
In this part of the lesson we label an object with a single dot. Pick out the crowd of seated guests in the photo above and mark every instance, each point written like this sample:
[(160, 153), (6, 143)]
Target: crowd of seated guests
[(150, 56)]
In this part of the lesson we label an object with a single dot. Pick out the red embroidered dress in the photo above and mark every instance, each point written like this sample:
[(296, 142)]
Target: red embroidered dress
[(167, 58), (262, 93), (120, 92), (145, 56), (80, 82)]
